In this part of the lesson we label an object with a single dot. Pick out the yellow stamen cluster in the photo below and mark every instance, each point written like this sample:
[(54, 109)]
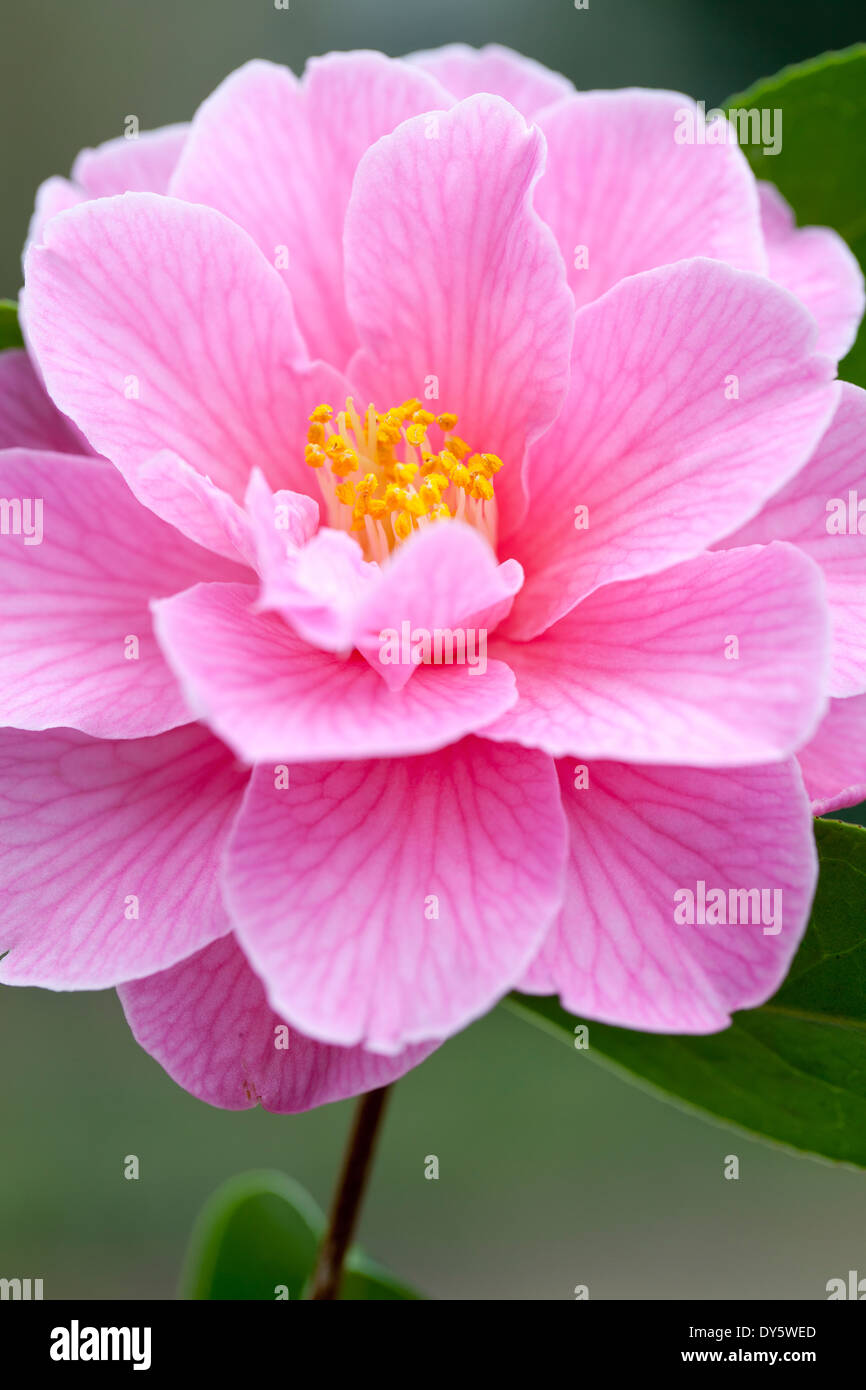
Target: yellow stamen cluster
[(381, 478)]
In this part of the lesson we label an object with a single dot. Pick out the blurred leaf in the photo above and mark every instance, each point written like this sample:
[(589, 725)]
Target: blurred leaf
[(366, 1280), (260, 1231), (10, 331), (257, 1231), (793, 1070), (821, 167)]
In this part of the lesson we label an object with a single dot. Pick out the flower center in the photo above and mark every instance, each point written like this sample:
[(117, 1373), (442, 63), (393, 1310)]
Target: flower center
[(381, 479)]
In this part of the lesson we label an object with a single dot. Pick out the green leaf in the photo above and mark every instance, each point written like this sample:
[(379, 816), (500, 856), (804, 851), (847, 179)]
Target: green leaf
[(368, 1281), (10, 331), (792, 1071), (260, 1232), (821, 167), (257, 1231)]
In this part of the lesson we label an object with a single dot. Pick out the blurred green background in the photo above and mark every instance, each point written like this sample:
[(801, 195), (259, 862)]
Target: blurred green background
[(553, 1171)]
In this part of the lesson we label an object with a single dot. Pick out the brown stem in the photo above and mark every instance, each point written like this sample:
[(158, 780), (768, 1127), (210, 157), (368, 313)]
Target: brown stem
[(350, 1190)]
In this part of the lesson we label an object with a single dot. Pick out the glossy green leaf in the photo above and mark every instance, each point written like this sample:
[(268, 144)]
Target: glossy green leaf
[(821, 167), (257, 1238), (792, 1071), (10, 331)]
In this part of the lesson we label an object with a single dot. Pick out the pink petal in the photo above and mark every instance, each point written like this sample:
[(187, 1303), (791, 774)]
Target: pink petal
[(140, 164), (185, 312), (639, 670), (445, 577), (528, 85), (622, 195), (279, 520), (109, 853), (28, 417), (313, 579), (143, 164), (207, 1021), (274, 698), (650, 442), (456, 285), (834, 763), (193, 504), (53, 196), (317, 589), (818, 267), (801, 513), (72, 602), (392, 902), (638, 836), (279, 156)]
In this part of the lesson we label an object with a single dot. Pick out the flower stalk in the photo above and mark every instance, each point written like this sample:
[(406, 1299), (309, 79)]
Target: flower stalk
[(349, 1194)]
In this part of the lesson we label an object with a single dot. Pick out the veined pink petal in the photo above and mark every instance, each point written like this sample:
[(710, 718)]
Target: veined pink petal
[(641, 839), (400, 855), (823, 510), (76, 636), (317, 588), (834, 763), (198, 508), (818, 267), (443, 578), (185, 340), (109, 853), (278, 156), (207, 1021), (274, 698), (624, 192), (28, 417), (456, 285), (143, 163), (392, 902), (528, 85), (695, 395), (707, 664)]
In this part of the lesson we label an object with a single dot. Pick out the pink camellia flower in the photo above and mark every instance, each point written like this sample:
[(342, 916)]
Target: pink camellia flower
[(404, 361)]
